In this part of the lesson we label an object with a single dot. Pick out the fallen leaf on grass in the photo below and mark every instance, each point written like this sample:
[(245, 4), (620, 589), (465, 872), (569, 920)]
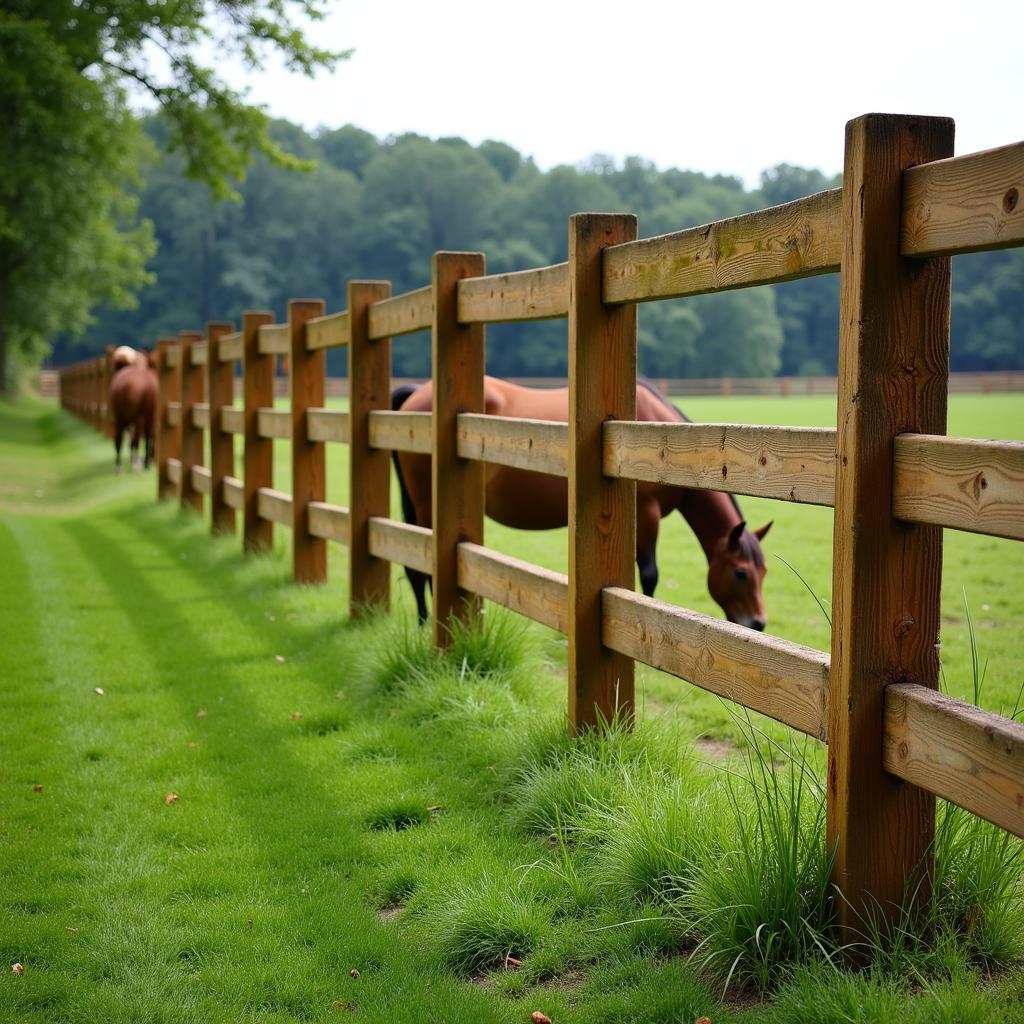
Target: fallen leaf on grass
[(296, 715), (702, 1020), (68, 928), (249, 924), (202, 713), (354, 972), (18, 968), (37, 788), (540, 1018), (99, 690), (511, 963), (279, 658), (171, 798)]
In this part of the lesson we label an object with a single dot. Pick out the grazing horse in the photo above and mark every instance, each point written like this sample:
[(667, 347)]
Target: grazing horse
[(537, 501), (133, 391)]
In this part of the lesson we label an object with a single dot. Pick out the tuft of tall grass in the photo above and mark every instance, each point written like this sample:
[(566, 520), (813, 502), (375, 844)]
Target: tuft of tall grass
[(478, 924), (560, 783), (653, 835), (760, 896), (495, 645)]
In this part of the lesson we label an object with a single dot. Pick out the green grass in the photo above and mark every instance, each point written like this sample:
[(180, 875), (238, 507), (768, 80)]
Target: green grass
[(347, 799)]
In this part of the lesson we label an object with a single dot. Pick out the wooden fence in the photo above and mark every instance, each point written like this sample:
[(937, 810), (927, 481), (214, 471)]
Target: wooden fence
[(892, 476)]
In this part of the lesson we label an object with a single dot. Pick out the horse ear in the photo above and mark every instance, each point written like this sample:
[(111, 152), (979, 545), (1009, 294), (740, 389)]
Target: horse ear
[(735, 534), (761, 531)]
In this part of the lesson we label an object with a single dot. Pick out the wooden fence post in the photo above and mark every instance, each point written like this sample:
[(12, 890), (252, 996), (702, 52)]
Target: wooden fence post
[(166, 440), (457, 485), (220, 394), (602, 511), (108, 376), (893, 377), (306, 385), (191, 437), (369, 469), (257, 452)]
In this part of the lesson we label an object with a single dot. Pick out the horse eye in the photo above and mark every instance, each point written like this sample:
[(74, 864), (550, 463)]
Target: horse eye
[(740, 574)]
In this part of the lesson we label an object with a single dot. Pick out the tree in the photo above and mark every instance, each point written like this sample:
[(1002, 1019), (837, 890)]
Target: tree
[(69, 232)]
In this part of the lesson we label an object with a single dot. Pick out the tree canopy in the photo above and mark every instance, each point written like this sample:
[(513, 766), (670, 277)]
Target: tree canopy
[(70, 235), (378, 208)]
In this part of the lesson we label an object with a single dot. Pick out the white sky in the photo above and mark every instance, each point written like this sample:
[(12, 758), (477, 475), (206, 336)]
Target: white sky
[(728, 88)]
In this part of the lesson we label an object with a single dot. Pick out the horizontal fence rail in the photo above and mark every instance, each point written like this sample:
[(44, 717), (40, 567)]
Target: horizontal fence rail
[(917, 481)]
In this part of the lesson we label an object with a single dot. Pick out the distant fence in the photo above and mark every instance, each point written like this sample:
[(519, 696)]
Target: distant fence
[(892, 476), (974, 383)]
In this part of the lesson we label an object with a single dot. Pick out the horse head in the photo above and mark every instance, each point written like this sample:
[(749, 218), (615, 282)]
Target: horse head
[(736, 572)]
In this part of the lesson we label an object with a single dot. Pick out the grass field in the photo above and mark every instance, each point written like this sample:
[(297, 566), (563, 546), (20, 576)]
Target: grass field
[(222, 801)]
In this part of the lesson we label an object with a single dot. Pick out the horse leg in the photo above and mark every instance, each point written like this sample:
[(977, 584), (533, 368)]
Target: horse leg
[(648, 519), (136, 465), (149, 450), (118, 438)]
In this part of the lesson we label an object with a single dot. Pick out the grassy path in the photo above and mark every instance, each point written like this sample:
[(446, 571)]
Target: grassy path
[(212, 810)]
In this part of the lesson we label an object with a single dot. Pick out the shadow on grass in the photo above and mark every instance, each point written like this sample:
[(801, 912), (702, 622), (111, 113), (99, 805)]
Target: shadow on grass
[(300, 824)]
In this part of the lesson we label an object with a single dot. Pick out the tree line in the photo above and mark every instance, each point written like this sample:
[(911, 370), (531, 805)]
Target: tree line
[(372, 208)]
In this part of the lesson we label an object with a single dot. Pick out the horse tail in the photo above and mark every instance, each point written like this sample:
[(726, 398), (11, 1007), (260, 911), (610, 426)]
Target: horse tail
[(398, 399)]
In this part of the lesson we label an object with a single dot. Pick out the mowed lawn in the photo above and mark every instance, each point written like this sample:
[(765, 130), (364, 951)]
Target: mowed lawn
[(211, 809)]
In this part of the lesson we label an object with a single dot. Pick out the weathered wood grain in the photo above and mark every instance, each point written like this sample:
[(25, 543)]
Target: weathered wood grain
[(401, 431), (306, 389), (964, 204), (201, 415), (369, 469), (959, 483), (538, 445), (798, 239), (457, 485), (893, 372), (777, 678), (402, 543), (232, 347), (541, 294), (165, 435), (602, 511), (274, 424), (327, 425), (328, 521), (232, 421), (234, 492), (537, 593), (220, 393), (273, 340), (402, 314), (258, 451), (329, 331), (957, 751), (274, 506), (789, 463), (190, 436), (201, 479)]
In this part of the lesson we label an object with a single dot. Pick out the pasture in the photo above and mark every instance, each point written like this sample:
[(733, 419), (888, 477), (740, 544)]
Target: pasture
[(271, 813)]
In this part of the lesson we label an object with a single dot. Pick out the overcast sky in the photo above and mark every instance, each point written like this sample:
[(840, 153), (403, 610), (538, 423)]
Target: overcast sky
[(717, 87)]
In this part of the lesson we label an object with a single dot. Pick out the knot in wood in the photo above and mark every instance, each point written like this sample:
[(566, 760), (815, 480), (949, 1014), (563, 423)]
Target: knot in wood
[(904, 626), (1010, 200)]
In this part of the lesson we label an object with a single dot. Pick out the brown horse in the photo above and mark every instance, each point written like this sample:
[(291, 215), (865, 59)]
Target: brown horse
[(133, 391), (538, 501)]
